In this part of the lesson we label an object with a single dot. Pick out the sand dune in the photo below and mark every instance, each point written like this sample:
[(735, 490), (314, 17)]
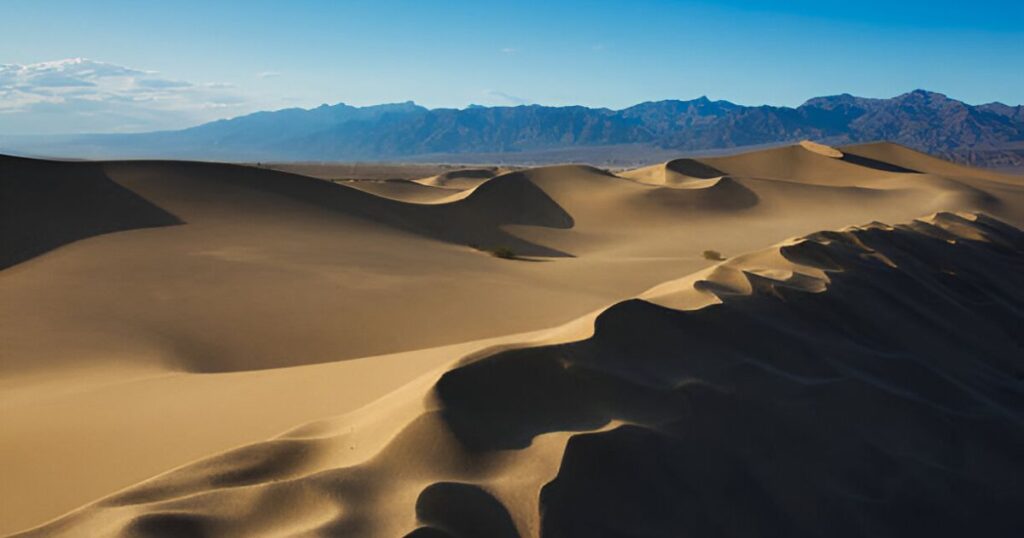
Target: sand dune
[(409, 191), (460, 179), (685, 173), (184, 309), (803, 163), (663, 420)]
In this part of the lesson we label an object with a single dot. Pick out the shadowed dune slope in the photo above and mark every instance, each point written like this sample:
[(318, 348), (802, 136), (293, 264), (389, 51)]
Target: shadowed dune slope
[(686, 173), (904, 157), (478, 217), (47, 204), (805, 163), (866, 381), (44, 205)]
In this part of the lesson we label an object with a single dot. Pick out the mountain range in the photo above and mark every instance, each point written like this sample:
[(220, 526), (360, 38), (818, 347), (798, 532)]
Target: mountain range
[(989, 134)]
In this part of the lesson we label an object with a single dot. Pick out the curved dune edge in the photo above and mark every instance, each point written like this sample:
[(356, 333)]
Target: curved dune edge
[(444, 188), (915, 161), (409, 191), (461, 179), (821, 149), (677, 173), (876, 383)]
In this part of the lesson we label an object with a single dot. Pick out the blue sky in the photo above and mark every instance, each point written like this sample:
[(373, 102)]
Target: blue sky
[(236, 57)]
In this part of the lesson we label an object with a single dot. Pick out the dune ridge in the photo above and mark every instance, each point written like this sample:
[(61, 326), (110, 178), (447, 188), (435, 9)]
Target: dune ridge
[(876, 390), (460, 179), (916, 161)]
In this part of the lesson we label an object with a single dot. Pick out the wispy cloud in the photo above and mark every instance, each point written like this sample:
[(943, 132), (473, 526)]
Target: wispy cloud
[(509, 50), (496, 97), (268, 74), (77, 95)]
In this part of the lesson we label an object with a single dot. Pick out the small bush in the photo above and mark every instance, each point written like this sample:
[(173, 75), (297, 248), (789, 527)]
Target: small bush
[(504, 253), (713, 255)]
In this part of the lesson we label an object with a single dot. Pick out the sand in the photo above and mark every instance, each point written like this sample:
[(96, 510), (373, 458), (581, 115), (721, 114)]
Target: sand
[(430, 385)]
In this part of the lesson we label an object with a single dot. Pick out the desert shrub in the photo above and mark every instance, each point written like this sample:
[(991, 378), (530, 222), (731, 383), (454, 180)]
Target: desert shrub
[(497, 252), (713, 255), (503, 252)]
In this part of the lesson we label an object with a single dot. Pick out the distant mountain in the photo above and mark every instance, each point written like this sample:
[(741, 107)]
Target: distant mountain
[(986, 134)]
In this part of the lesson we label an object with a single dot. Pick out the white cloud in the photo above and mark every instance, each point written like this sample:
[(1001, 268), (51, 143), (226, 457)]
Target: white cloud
[(268, 74), (509, 50), (81, 95)]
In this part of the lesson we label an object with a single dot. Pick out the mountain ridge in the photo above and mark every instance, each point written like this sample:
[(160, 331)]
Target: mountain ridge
[(988, 134)]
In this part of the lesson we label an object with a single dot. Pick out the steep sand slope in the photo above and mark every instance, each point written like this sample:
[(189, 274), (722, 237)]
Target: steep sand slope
[(875, 390), (270, 271), (44, 205), (913, 160)]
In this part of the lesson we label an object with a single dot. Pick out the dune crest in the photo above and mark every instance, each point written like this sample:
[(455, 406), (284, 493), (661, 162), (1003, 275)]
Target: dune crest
[(678, 173), (899, 419), (910, 160), (461, 179), (821, 149)]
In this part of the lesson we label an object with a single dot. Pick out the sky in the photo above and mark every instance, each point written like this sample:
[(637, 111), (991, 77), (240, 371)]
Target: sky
[(124, 66)]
